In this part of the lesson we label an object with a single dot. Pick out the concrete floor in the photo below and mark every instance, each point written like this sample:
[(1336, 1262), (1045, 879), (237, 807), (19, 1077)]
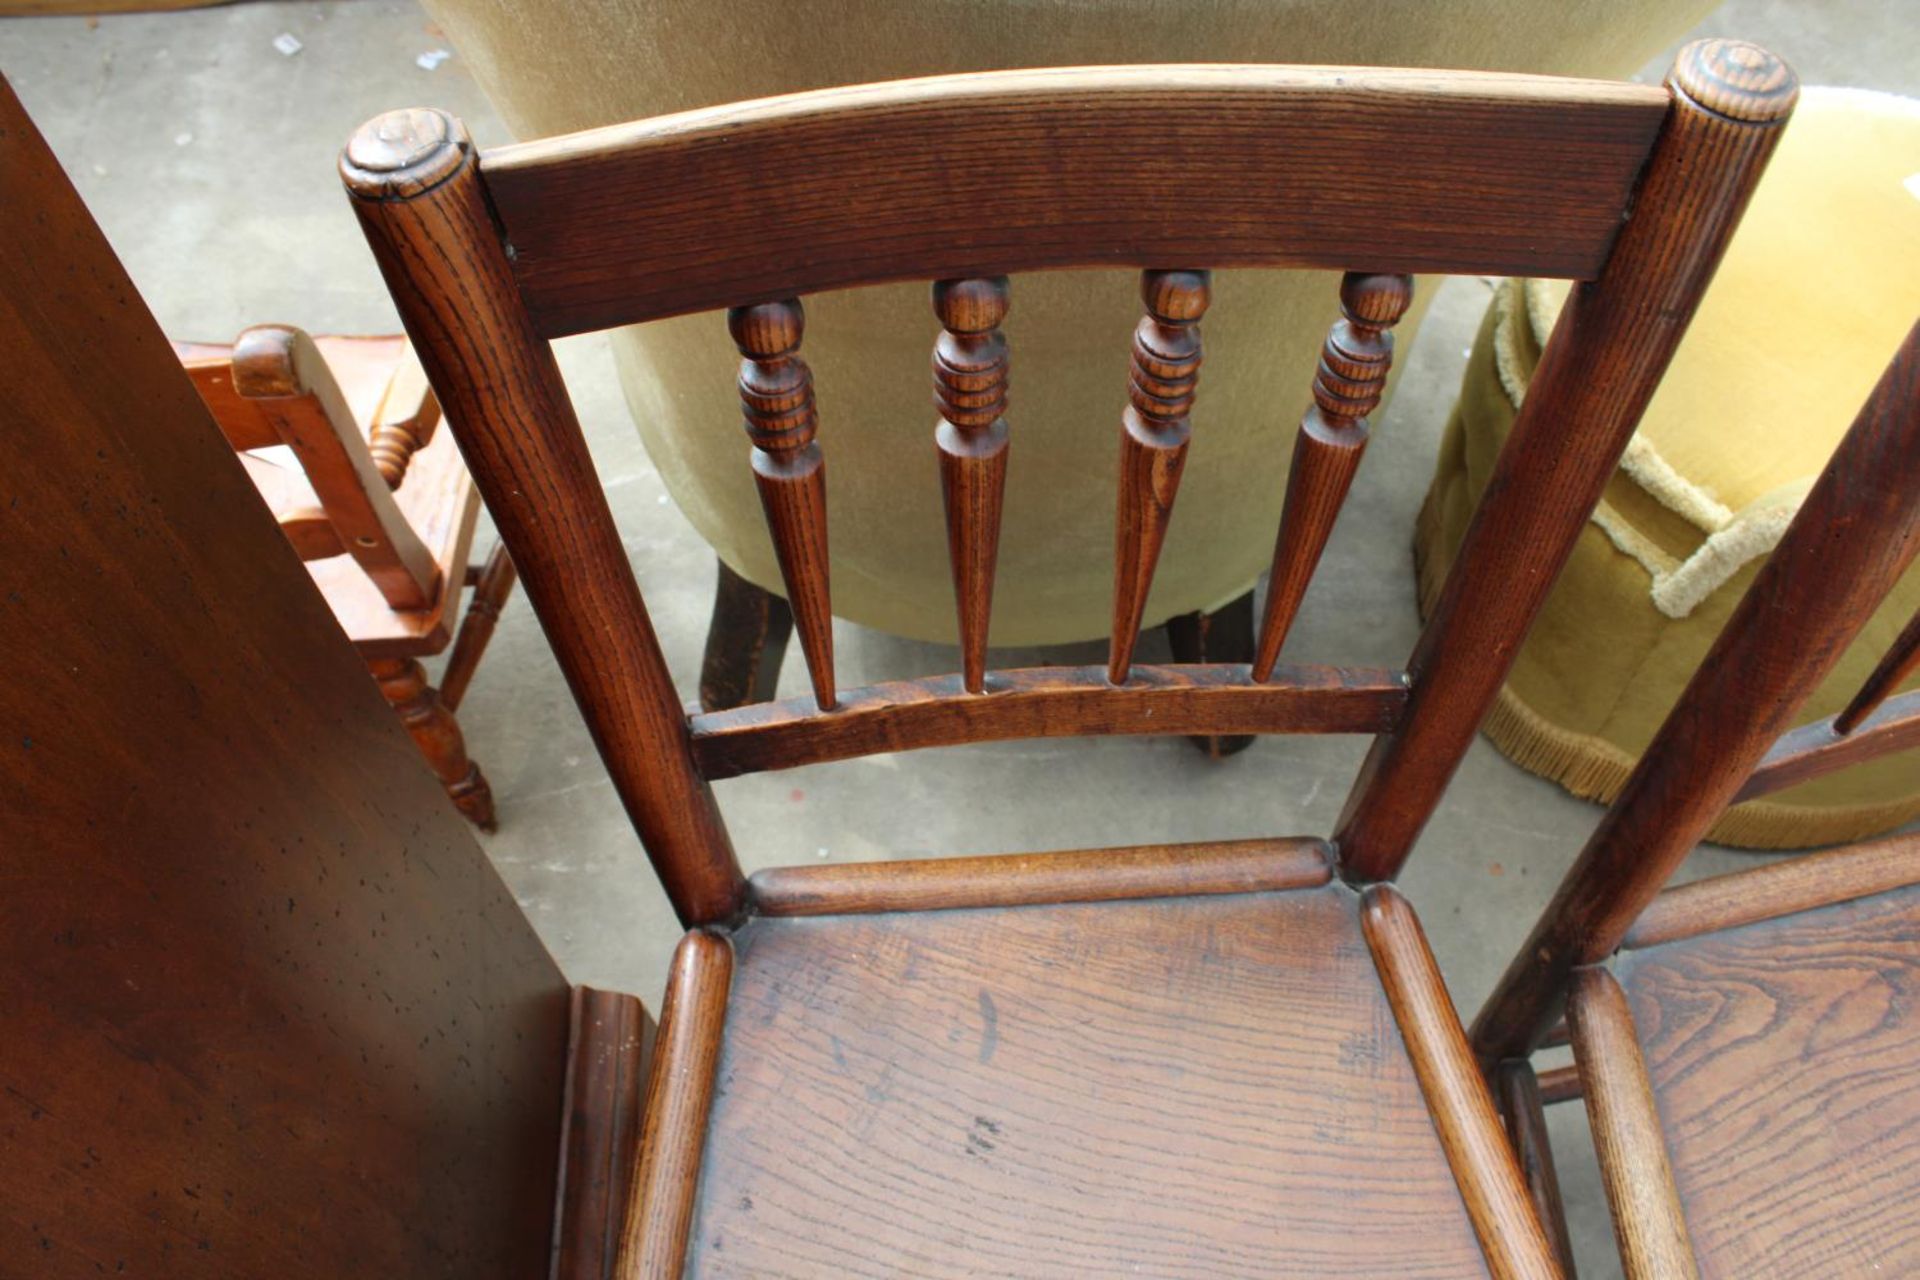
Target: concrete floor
[(208, 158)]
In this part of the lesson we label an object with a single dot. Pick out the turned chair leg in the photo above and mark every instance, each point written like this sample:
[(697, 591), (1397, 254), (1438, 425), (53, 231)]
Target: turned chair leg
[(1225, 635), (491, 587), (437, 734), (745, 643)]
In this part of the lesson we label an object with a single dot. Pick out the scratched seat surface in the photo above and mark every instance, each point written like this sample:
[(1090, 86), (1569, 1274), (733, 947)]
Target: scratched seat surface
[(1197, 1086), (1782, 1056)]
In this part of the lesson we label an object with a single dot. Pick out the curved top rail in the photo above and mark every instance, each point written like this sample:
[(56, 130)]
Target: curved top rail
[(983, 174)]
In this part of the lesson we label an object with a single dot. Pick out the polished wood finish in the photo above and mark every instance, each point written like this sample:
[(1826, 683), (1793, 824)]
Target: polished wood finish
[(1647, 1218), (1517, 1093), (1600, 369), (491, 587), (1557, 1084), (403, 682), (1804, 608), (1777, 889), (1205, 1086), (333, 401), (1237, 1082), (607, 1054), (405, 421), (1094, 166), (746, 643), (1046, 702), (970, 390), (1327, 448), (1781, 1054), (1222, 635), (1898, 664), (418, 195), (268, 1010), (1154, 434), (1817, 749), (679, 1095), (281, 372), (1484, 1165), (1013, 880), (776, 397)]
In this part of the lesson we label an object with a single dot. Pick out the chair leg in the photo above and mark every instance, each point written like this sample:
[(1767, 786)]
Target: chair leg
[(745, 643), (1225, 635), (437, 734), (490, 591)]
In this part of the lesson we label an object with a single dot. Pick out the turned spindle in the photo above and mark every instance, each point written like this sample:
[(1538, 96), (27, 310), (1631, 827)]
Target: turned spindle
[(393, 446), (970, 391), (1326, 451), (1153, 442), (776, 397)]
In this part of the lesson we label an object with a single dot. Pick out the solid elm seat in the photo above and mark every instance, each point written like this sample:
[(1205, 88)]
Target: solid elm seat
[(1180, 1086), (1784, 1057)]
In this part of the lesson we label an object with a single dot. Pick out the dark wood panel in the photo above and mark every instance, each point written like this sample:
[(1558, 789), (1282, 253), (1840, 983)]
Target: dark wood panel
[(1783, 1057), (268, 1009), (1023, 879), (1046, 702), (1142, 166), (1178, 1087)]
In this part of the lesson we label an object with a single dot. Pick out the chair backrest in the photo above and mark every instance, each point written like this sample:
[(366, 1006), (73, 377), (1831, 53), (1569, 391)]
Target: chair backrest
[(1726, 739), (273, 387), (963, 179)]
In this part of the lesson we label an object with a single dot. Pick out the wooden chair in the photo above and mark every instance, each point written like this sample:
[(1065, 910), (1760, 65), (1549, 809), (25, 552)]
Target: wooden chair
[(1749, 1045), (379, 505), (1233, 1058)]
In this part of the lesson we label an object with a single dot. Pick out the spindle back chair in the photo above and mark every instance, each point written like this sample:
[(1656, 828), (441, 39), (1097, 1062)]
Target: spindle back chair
[(965, 180), (1780, 995)]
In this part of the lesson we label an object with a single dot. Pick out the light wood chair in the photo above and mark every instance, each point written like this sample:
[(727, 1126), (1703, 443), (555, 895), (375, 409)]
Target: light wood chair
[(378, 504), (1749, 1045), (1221, 1059)]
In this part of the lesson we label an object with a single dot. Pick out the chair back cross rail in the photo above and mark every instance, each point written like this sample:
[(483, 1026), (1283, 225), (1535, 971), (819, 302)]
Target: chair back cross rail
[(488, 256), (1853, 538)]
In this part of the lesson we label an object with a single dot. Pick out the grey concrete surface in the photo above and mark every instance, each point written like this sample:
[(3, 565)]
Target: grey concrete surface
[(208, 158)]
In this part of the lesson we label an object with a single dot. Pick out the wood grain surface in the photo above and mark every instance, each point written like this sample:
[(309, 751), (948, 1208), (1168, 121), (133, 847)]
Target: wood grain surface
[(1023, 879), (1090, 166), (1046, 702), (1783, 1055), (1598, 373), (1189, 1086), (265, 1007), (1649, 1223), (417, 193), (1485, 1165), (607, 1056), (1778, 889)]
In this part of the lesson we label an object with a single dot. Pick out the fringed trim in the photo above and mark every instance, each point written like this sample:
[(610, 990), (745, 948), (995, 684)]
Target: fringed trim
[(1594, 769), (1524, 315)]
